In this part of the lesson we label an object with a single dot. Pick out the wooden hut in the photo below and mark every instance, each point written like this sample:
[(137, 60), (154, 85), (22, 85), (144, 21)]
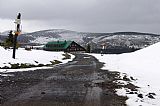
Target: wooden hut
[(66, 46)]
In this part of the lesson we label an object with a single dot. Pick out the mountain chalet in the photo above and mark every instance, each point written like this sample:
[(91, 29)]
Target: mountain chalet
[(66, 46)]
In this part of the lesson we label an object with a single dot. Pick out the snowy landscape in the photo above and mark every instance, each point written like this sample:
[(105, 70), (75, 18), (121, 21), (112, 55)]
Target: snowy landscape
[(30, 57), (143, 66), (80, 53), (112, 40)]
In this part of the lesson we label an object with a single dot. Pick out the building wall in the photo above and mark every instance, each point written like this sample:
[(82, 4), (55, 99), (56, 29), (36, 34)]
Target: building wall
[(75, 47)]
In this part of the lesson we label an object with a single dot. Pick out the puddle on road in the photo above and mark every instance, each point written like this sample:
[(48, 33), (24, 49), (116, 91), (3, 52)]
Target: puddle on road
[(7, 75), (86, 57)]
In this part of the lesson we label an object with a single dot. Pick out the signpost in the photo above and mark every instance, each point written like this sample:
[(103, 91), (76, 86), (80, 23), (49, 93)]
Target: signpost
[(17, 32)]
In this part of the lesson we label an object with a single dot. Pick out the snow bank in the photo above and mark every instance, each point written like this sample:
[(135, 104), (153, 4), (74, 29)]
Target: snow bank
[(143, 65), (34, 57)]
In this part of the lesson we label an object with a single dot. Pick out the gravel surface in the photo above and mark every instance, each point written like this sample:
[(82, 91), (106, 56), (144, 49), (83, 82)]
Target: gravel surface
[(80, 82)]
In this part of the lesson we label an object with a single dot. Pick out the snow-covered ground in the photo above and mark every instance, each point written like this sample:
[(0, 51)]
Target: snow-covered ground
[(143, 65), (34, 57)]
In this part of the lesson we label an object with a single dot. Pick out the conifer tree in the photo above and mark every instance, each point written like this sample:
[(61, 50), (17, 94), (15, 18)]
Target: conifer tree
[(9, 41), (88, 50)]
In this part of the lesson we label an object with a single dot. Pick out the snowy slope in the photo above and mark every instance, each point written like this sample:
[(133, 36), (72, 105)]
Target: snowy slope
[(34, 57), (136, 41), (142, 65), (62, 36), (43, 40), (117, 39), (112, 39), (54, 35)]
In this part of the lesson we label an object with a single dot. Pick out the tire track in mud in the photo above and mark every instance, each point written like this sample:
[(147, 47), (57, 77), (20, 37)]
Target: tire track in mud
[(93, 96)]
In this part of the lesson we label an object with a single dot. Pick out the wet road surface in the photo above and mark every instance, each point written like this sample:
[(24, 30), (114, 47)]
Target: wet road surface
[(77, 83)]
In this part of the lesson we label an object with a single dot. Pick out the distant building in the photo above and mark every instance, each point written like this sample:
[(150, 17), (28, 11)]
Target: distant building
[(66, 46)]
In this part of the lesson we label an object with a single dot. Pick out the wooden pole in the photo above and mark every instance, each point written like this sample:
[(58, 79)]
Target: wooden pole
[(17, 32)]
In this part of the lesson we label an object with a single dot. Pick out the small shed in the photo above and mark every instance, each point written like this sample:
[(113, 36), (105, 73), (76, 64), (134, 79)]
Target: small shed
[(66, 46)]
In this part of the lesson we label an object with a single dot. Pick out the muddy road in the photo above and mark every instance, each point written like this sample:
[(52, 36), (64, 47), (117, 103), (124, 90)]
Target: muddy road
[(80, 82)]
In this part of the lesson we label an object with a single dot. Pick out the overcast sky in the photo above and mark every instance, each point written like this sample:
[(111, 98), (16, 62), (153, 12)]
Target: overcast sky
[(82, 15)]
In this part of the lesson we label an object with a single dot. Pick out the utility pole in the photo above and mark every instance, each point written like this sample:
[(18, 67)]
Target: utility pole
[(17, 32)]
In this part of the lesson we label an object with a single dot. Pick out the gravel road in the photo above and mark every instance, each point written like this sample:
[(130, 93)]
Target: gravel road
[(80, 82)]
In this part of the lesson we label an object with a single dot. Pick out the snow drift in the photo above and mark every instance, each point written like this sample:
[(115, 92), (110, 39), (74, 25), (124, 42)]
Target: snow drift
[(33, 57), (142, 65)]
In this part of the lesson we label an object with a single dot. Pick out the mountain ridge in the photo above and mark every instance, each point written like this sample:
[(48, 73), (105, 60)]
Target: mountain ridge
[(111, 40)]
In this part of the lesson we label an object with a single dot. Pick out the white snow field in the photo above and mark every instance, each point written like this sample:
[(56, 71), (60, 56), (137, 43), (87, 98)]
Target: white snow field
[(34, 57), (143, 65)]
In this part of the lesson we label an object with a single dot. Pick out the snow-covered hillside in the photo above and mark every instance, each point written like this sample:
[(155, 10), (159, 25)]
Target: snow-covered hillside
[(138, 41), (142, 65), (33, 57), (54, 35), (122, 40)]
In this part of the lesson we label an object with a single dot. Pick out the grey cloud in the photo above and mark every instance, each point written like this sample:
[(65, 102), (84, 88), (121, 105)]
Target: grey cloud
[(88, 15)]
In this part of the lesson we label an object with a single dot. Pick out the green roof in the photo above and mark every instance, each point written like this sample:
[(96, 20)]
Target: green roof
[(57, 45)]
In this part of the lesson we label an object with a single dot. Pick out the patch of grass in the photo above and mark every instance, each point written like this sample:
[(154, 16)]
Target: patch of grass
[(32, 65), (5, 67), (18, 66), (22, 65), (55, 62), (26, 65), (40, 65), (66, 56), (15, 66)]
